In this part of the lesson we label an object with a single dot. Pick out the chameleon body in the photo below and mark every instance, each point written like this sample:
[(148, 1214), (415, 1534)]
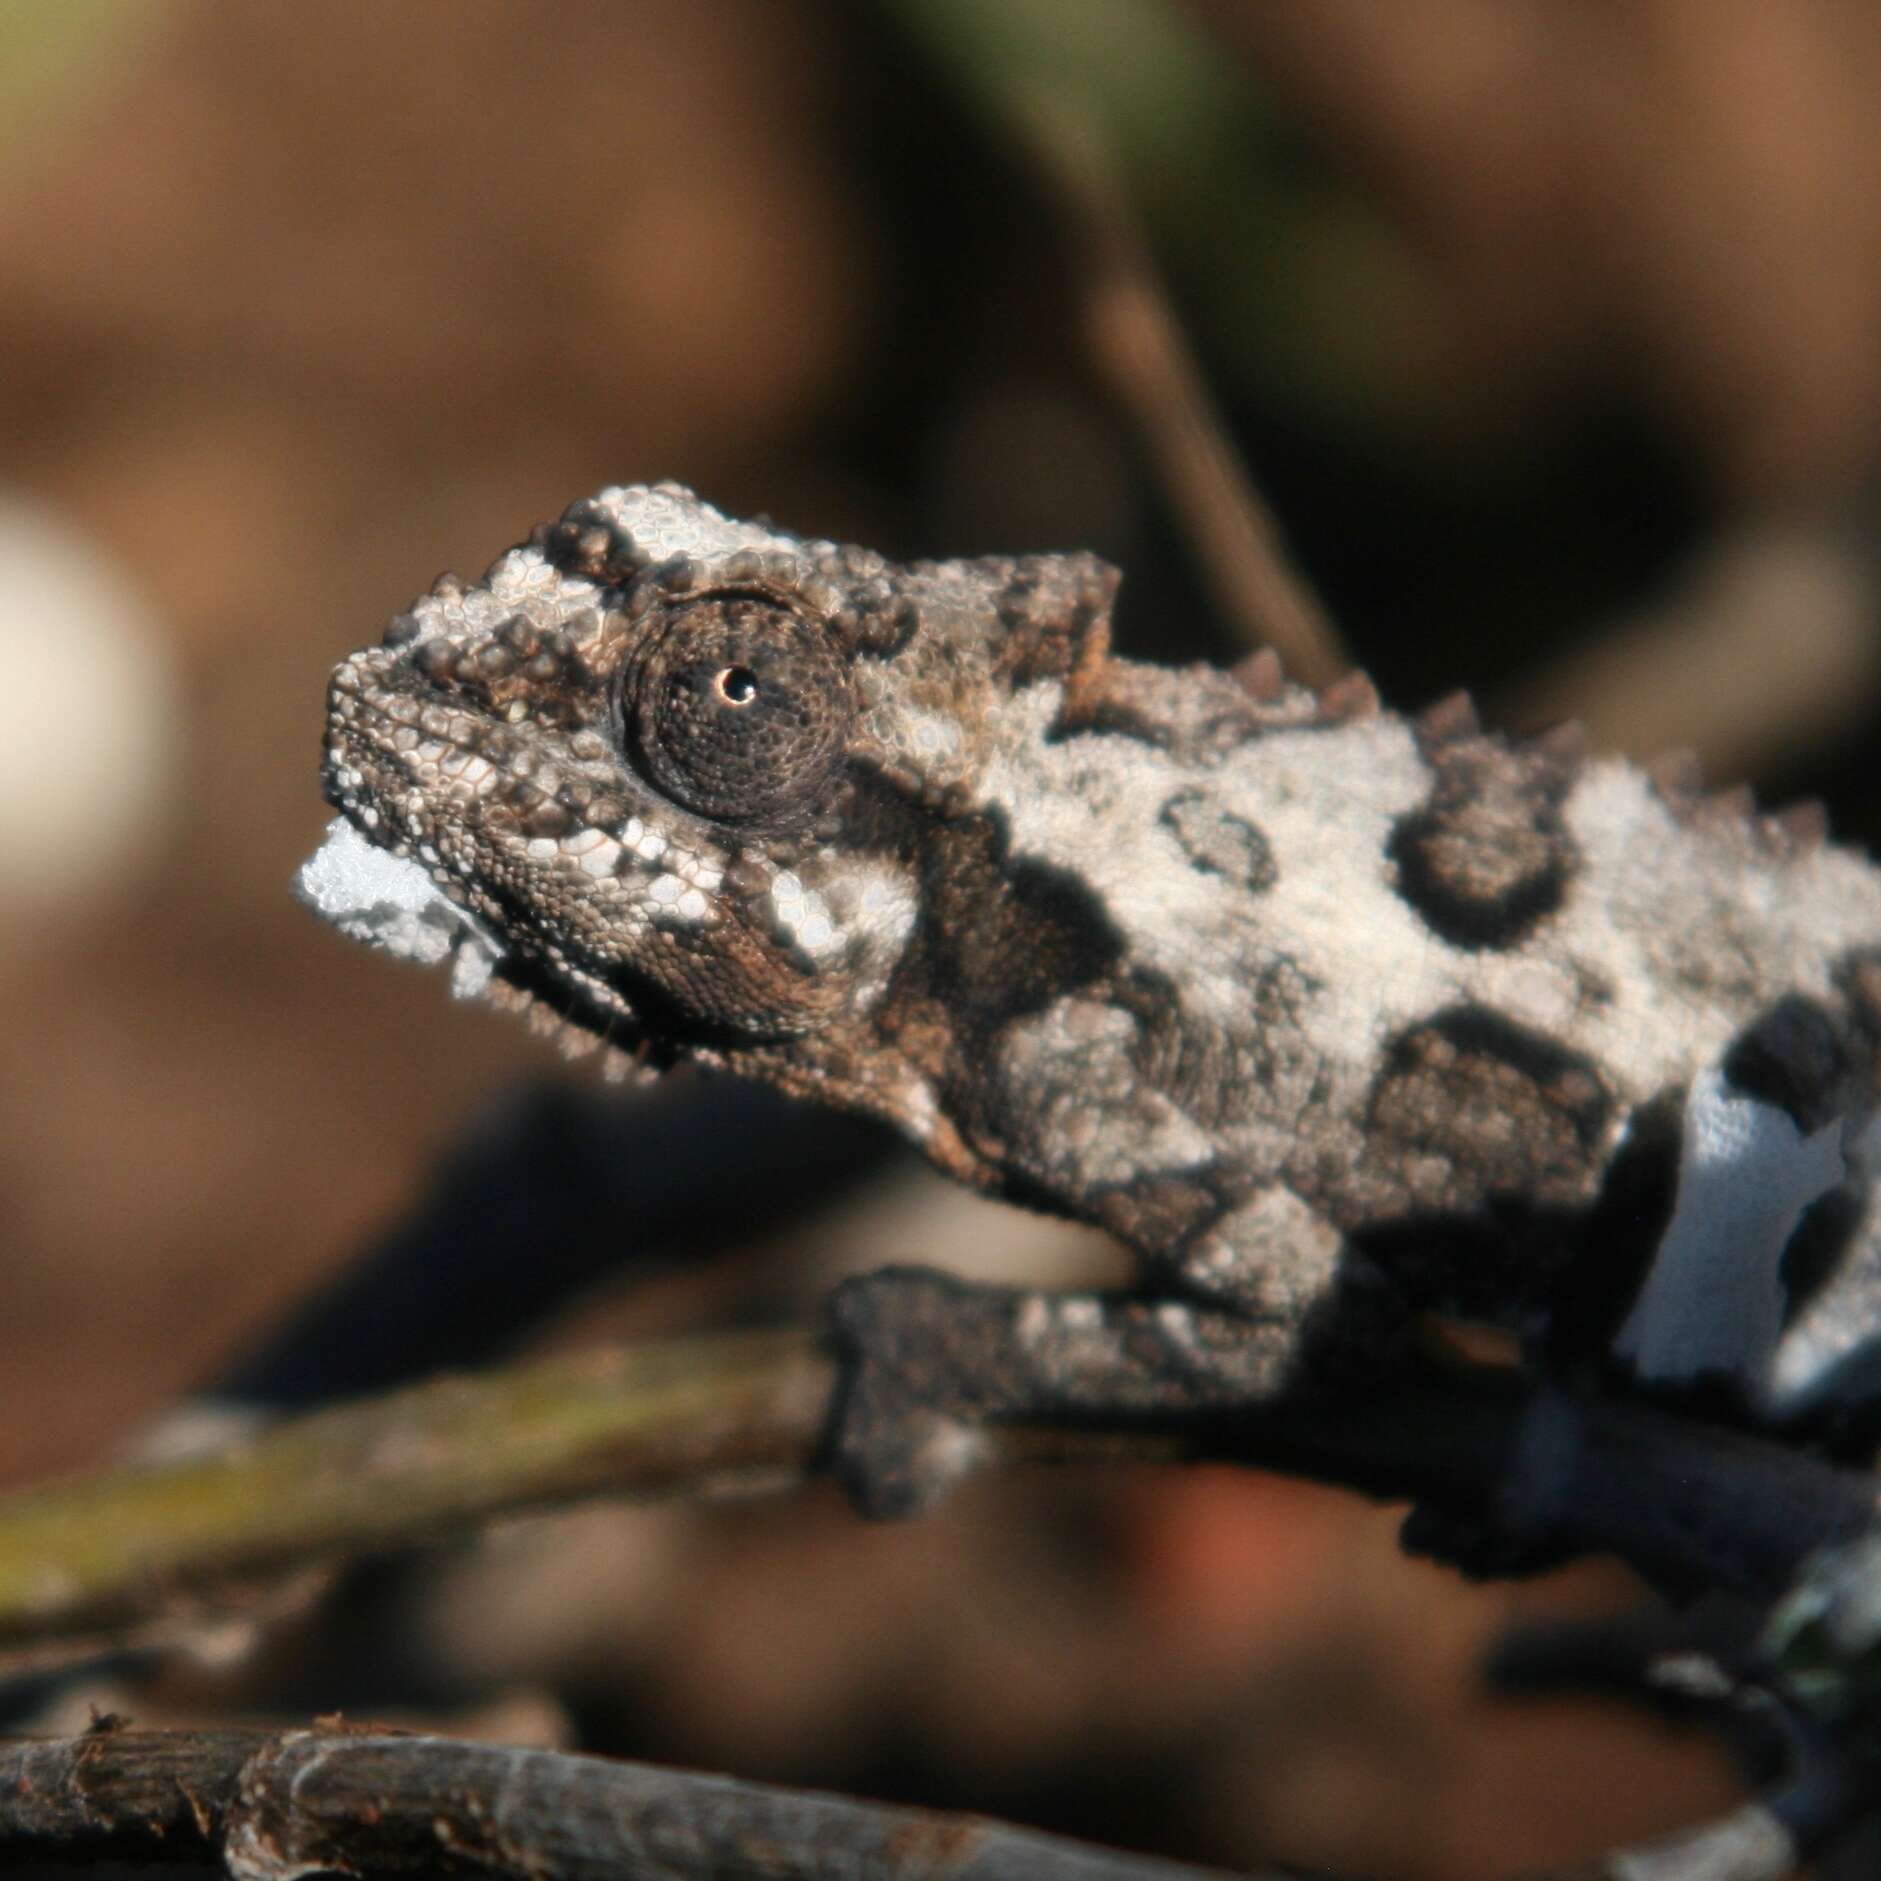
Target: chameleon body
[(1333, 1016)]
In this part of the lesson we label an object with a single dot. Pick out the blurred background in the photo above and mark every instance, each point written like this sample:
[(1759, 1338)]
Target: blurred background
[(1552, 335)]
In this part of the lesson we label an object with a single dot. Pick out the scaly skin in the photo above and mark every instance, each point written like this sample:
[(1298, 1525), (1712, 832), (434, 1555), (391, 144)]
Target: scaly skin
[(1331, 1015)]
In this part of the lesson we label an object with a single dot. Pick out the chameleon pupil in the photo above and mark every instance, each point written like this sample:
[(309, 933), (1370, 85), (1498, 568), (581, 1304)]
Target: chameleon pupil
[(737, 685)]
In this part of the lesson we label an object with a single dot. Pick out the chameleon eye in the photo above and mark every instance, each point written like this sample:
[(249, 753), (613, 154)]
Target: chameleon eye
[(738, 710)]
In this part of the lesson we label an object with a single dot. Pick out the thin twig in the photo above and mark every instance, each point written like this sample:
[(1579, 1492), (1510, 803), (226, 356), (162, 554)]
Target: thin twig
[(274, 1805), (106, 1554), (101, 1552), (1138, 345)]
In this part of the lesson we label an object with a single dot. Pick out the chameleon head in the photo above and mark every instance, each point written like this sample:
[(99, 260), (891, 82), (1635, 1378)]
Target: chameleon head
[(676, 765)]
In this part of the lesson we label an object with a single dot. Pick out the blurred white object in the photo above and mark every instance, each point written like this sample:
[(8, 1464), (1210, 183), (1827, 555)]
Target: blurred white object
[(87, 716)]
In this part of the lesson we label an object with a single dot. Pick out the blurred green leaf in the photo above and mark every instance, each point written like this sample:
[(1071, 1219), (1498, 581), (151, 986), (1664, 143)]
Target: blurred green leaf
[(1171, 112), (1300, 290), (55, 53)]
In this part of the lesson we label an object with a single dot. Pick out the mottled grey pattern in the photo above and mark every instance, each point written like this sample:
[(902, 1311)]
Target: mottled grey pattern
[(1223, 965)]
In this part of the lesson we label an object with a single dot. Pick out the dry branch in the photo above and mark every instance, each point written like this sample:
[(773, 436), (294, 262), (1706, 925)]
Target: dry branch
[(110, 1550), (1527, 1465), (107, 1554), (276, 1805)]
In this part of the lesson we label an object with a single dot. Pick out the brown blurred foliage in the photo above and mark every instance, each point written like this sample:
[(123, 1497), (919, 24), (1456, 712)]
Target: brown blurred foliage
[(1684, 191)]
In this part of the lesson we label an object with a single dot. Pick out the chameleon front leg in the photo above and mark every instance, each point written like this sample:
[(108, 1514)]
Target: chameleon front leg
[(930, 1361)]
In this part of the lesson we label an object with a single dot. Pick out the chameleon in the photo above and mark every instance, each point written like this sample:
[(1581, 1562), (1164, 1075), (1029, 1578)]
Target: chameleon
[(1338, 1018)]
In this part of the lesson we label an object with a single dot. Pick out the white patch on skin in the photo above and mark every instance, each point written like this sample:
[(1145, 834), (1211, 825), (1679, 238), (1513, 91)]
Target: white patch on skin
[(801, 917), (664, 521), (524, 572), (1674, 906), (1667, 940), (393, 904), (1327, 825), (874, 908), (942, 748), (1713, 1299), (1366, 966)]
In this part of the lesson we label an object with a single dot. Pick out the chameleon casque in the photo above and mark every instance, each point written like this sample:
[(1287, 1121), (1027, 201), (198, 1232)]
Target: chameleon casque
[(1333, 1016)]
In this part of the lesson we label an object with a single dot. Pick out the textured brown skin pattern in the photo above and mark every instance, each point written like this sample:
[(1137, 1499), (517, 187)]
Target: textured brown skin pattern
[(1331, 1015)]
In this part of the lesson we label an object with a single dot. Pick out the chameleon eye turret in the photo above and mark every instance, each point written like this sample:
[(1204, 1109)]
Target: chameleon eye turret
[(738, 709)]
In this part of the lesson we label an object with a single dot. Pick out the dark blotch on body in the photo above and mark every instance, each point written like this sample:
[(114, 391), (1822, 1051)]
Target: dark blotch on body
[(1487, 856), (1004, 938), (1794, 1058), (1470, 1105)]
